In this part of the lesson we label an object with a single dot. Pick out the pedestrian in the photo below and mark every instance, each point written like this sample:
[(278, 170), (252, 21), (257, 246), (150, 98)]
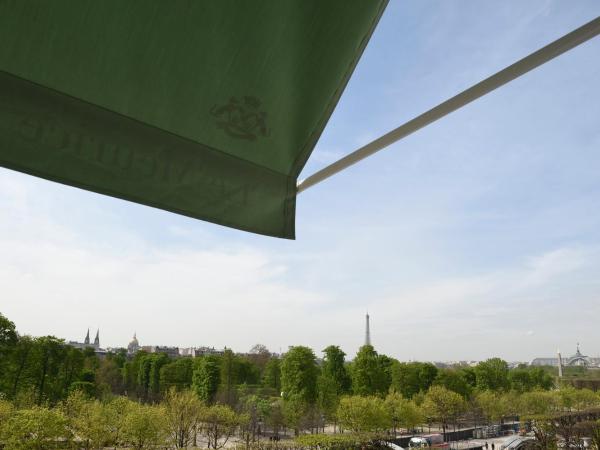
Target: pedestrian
[(493, 446), (486, 445)]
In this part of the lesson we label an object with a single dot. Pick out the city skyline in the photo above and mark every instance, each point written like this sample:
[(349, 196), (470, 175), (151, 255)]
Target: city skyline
[(475, 237), (545, 359)]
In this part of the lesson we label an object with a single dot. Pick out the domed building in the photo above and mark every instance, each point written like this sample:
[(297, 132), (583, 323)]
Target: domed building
[(578, 359), (134, 346)]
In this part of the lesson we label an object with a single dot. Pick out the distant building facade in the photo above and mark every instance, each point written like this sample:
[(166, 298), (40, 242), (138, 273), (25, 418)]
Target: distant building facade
[(578, 359), (171, 352), (134, 346), (196, 352), (87, 344)]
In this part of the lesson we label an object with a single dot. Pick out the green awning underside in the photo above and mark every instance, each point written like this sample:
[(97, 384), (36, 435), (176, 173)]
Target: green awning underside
[(204, 108)]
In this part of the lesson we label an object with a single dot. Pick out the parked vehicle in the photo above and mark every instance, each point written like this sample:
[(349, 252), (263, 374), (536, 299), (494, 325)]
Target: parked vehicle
[(428, 441)]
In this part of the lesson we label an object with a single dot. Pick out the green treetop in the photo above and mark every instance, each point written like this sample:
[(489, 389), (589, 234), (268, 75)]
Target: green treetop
[(492, 374), (299, 373), (206, 377), (370, 372), (334, 367)]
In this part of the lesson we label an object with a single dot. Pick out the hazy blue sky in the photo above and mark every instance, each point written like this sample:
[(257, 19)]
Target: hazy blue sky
[(478, 236)]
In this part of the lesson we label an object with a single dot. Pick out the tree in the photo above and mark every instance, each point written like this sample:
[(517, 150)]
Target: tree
[(385, 364), (299, 375), (573, 399), (294, 410), (259, 355), (36, 428), (75, 367), (144, 426), (115, 412), (411, 378), (86, 419), (369, 374), (157, 361), (469, 376), (454, 380), (524, 379), (205, 379), (443, 405), (130, 370), (247, 371), (43, 368), (229, 375), (143, 376), (219, 424), (333, 382), (177, 374), (8, 334), (541, 378), (492, 374), (145, 370), (327, 397), (538, 404), (272, 374), (49, 355), (182, 413), (403, 412), (520, 380), (18, 366), (363, 414), (276, 416), (256, 410), (492, 405), (109, 376), (334, 367)]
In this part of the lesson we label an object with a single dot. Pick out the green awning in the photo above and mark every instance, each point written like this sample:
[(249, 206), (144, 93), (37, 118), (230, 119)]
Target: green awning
[(204, 108)]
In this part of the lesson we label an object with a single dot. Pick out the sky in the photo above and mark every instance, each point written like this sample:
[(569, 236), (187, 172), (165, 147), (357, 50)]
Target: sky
[(478, 236)]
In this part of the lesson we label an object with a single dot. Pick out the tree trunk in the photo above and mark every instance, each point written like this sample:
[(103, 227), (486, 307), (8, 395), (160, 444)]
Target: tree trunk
[(43, 378), (20, 372)]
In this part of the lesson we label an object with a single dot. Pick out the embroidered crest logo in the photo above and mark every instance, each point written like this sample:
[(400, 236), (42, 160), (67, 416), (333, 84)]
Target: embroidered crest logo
[(241, 119)]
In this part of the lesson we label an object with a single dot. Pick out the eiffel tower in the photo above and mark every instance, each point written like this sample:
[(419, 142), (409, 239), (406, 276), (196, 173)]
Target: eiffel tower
[(368, 332)]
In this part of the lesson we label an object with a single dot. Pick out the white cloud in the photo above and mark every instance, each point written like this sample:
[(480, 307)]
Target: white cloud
[(484, 315), (550, 265), (58, 279)]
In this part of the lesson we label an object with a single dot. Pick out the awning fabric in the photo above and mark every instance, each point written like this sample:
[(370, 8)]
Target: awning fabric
[(204, 108)]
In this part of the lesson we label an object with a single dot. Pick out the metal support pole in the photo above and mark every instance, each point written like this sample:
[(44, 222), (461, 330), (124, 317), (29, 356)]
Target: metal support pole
[(535, 59)]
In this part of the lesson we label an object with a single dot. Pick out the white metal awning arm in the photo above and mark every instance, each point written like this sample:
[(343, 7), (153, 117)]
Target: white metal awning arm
[(530, 62)]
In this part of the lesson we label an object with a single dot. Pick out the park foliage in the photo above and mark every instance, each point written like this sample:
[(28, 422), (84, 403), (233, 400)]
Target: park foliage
[(53, 395)]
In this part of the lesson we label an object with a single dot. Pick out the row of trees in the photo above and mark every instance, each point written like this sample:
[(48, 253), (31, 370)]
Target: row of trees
[(441, 406), (181, 419), (45, 370), (307, 385), (296, 391)]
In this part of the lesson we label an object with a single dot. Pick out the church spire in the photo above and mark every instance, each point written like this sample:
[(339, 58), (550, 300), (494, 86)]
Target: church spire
[(87, 337), (97, 338)]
